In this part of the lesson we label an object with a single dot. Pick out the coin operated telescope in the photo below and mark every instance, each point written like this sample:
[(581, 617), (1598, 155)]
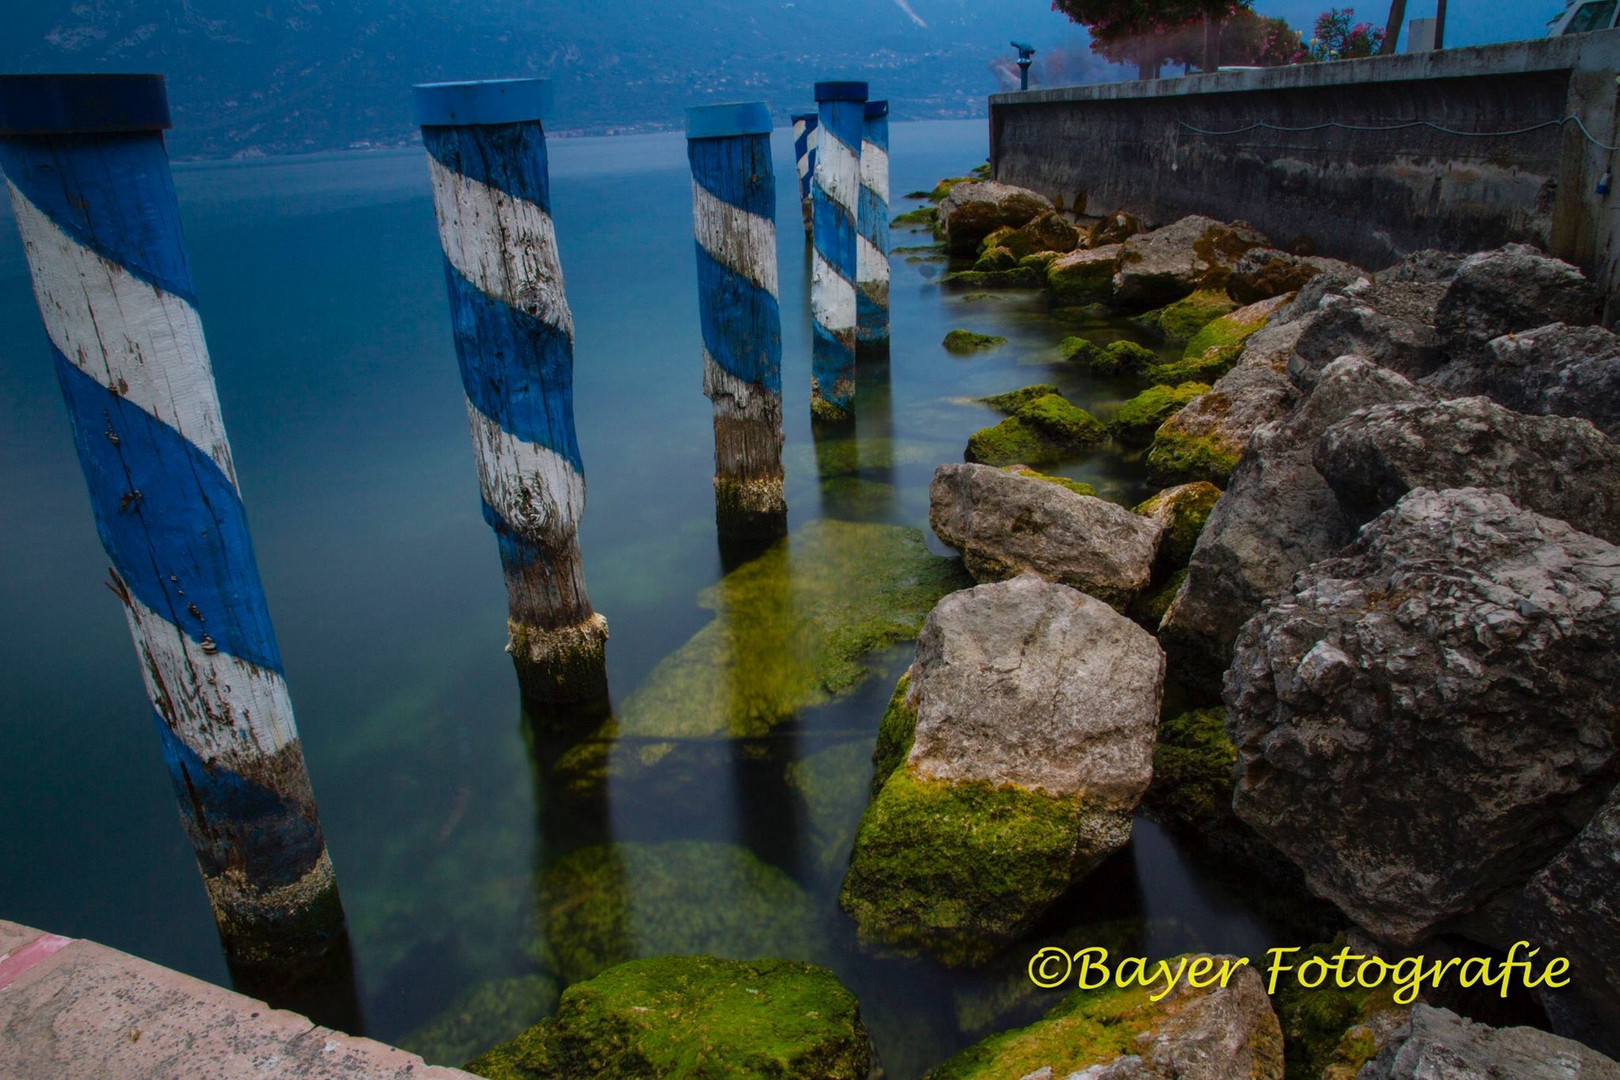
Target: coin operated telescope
[(1026, 56)]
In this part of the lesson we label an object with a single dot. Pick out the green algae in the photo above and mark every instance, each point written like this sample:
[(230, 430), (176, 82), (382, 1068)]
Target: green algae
[(997, 258), (966, 341), (896, 731), (1227, 333), (696, 1018), (603, 905), (1149, 608), (491, 1011), (1066, 424), (1141, 416), (833, 787), (1117, 358), (1081, 281), (1177, 323), (1044, 428), (1319, 1024), (1012, 442), (1079, 487), (942, 190), (1179, 457), (1193, 767), (1205, 368), (1019, 277), (923, 217), (1183, 511), (791, 630), (1013, 400), (1039, 260)]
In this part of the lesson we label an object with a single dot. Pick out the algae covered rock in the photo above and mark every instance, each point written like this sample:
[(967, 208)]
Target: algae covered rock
[(1162, 266), (489, 1012), (1043, 428), (974, 209), (1439, 1043), (997, 258), (610, 903), (1395, 711), (1013, 400), (1194, 767), (1178, 322), (833, 783), (1212, 1032), (791, 630), (1329, 1031), (1117, 358), (1085, 276), (694, 1017), (1006, 524), (1018, 750), (1265, 273), (966, 341), (1079, 487), (1116, 228), (1141, 416), (1218, 345), (1182, 511)]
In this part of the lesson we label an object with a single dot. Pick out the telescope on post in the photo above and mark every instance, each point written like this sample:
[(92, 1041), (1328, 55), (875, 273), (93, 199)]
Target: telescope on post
[(1026, 56)]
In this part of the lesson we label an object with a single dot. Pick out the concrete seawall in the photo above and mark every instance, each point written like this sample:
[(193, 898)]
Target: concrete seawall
[(1365, 196), (72, 1009)]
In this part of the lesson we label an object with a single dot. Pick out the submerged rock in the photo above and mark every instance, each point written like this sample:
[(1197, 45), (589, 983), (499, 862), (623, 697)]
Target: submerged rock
[(1006, 524), (1440, 1044), (1013, 400), (972, 210), (1162, 266), (1554, 370), (1212, 1033), (1395, 713), (1572, 909), (1505, 291), (1562, 468), (490, 1012), (994, 258), (833, 784), (1016, 755), (1277, 517), (1141, 416), (694, 1016), (607, 904), (1117, 358), (966, 341)]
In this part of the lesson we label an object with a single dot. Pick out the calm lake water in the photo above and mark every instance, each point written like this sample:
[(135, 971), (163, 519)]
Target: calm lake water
[(322, 292)]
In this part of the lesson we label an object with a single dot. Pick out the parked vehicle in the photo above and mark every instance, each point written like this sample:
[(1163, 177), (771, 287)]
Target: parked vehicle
[(1584, 16)]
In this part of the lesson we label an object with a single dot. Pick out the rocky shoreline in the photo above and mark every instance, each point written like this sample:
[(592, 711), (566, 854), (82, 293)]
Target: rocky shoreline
[(1361, 647)]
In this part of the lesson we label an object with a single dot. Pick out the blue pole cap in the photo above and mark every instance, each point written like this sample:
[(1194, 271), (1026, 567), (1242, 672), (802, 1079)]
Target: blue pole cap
[(485, 101), (876, 109), (82, 104), (732, 118), (841, 91)]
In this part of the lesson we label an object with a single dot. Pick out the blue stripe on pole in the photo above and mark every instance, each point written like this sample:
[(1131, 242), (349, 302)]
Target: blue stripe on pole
[(872, 219), (742, 324), (112, 194), (507, 157), (750, 186), (517, 550), (831, 359), (872, 320), (518, 370), (835, 235), (171, 521), (237, 823)]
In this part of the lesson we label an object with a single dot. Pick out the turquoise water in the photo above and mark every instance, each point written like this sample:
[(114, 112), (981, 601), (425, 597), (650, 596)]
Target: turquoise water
[(322, 293)]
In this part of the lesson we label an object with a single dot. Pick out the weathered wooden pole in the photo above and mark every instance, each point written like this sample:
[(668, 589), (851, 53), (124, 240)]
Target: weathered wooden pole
[(514, 339), (734, 221), (804, 156), (872, 232), (95, 203), (834, 198)]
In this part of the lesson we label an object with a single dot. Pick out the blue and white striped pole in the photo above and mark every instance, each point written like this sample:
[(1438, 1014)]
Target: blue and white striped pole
[(835, 195), (804, 156), (872, 232), (514, 339), (734, 221), (95, 203)]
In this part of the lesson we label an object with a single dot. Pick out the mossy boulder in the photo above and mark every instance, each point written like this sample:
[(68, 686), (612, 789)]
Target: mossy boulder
[(1039, 261), (1141, 416), (966, 341), (1047, 232), (1183, 511), (996, 258), (1117, 359), (1179, 322), (1179, 454), (1013, 400), (1228, 1032), (1019, 277), (1217, 346), (1205, 368), (1327, 1030), (606, 904), (488, 1013), (1011, 442), (1085, 276), (1042, 429), (973, 210), (694, 1017), (1079, 487), (1194, 765), (1116, 228), (1149, 608), (1063, 422), (924, 217), (942, 190)]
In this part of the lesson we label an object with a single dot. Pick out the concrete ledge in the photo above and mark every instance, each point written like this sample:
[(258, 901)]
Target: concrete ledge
[(73, 1009)]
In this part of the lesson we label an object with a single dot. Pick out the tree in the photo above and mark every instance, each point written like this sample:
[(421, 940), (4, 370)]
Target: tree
[(1252, 40), (1337, 38), (1149, 32)]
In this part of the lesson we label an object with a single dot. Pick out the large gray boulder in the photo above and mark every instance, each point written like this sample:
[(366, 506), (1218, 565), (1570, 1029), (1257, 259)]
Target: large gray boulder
[(1423, 723), (1554, 370), (1563, 468), (1437, 1044), (1160, 267), (1277, 517), (974, 210), (1508, 290), (1006, 524), (1263, 273), (1035, 684), (1388, 322), (1427, 266), (1572, 909)]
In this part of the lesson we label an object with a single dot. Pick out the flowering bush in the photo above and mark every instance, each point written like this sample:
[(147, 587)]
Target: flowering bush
[(1337, 38)]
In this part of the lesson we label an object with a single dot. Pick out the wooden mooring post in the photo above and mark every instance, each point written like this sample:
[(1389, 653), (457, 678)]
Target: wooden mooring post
[(514, 339), (872, 233), (835, 196), (95, 202), (804, 157), (734, 222)]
